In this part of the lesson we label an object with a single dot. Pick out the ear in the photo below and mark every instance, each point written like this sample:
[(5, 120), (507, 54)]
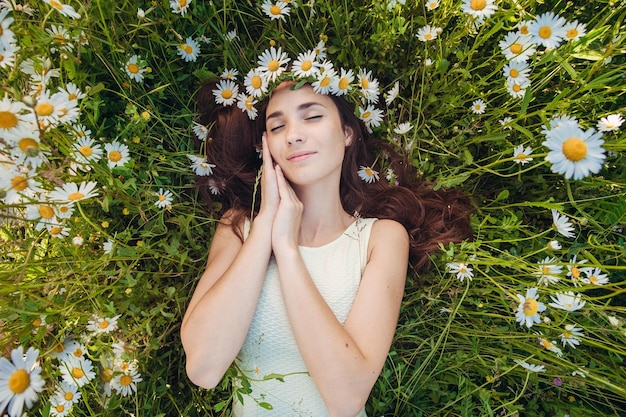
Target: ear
[(349, 133)]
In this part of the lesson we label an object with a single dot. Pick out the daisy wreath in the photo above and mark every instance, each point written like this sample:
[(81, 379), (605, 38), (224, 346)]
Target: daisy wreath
[(308, 68)]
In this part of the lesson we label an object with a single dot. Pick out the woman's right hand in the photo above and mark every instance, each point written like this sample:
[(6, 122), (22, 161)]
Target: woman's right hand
[(270, 197)]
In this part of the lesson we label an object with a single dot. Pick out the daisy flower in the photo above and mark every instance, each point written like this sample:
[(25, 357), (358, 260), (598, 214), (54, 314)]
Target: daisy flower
[(180, 6), (64, 9), (480, 9), (78, 241), (530, 367), (272, 62), (59, 407), (12, 115), (164, 198), (135, 67), (324, 80), (516, 71), (246, 104), (371, 116), (610, 122), (368, 175), (369, 86), (506, 122), (276, 10), (87, 151), (479, 106), (200, 165), (571, 335), (26, 146), (548, 30), (432, 4), (521, 155), (20, 381), (71, 92), (551, 346), (343, 83), (189, 50), (517, 47), (567, 301), (231, 35), (574, 30), (517, 88), (43, 213), (71, 192), (8, 54), (229, 74), (117, 154), (60, 38), (213, 187), (58, 231), (101, 325), (126, 383), (529, 308), (548, 271), (78, 371), (461, 270), (561, 224), (573, 152), (68, 393), (573, 270), (107, 247), (201, 131), (305, 64), (594, 276), (226, 92), (320, 50), (403, 128), (256, 84), (554, 245), (427, 33), (391, 95), (18, 184)]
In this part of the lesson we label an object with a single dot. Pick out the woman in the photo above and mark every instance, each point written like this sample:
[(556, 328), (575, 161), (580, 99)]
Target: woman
[(310, 289)]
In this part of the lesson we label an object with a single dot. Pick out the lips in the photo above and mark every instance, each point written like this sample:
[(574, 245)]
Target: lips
[(300, 156)]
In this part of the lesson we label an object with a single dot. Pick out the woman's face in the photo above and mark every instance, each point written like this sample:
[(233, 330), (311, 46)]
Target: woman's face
[(305, 135)]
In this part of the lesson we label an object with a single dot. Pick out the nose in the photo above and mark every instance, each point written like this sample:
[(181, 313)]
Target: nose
[(294, 134)]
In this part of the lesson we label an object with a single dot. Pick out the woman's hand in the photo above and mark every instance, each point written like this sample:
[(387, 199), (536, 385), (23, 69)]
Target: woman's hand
[(269, 186), (286, 226)]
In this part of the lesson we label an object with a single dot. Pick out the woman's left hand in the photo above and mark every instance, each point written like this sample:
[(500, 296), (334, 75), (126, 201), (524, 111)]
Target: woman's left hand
[(286, 227)]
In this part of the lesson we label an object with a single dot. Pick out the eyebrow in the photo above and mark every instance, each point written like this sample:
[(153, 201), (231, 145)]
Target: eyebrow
[(301, 107)]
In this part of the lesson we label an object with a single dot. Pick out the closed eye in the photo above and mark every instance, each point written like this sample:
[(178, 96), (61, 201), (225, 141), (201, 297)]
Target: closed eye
[(276, 128), (318, 116)]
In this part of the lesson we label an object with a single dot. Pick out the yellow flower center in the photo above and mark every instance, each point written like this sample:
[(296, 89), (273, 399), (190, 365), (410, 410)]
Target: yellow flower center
[(182, 3), (478, 4), (75, 196), (524, 30), (545, 32), (64, 209), (531, 307), (55, 230), (343, 83), (37, 322), (44, 109), (60, 408), (545, 269), (567, 334), (8, 120), (593, 279), (256, 82), (19, 381), (78, 353), (428, 36), (366, 114), (273, 65), (227, 94), (19, 183), (68, 396), (104, 324), (513, 73), (58, 39), (77, 373), (516, 48), (575, 149), (106, 375), (162, 197), (306, 65), (115, 156), (86, 151), (365, 83), (274, 10), (72, 96), (575, 272), (248, 103), (572, 33), (324, 82), (57, 5), (126, 380), (46, 212), (517, 88), (133, 68), (188, 49), (546, 344), (520, 156)]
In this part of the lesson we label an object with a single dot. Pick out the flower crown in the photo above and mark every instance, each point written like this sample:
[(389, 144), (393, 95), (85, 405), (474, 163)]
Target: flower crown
[(308, 68)]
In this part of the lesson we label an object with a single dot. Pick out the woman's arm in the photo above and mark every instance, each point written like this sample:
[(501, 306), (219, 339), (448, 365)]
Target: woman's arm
[(219, 314)]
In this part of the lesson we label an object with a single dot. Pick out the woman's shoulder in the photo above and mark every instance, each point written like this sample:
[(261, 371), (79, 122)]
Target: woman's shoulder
[(387, 232)]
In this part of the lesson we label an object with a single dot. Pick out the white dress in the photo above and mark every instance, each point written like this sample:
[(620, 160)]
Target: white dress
[(270, 357)]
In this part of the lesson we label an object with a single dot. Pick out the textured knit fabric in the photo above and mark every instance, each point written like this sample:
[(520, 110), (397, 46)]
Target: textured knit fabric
[(270, 357)]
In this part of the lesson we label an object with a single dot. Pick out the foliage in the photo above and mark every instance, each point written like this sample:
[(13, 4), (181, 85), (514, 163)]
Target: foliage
[(125, 252)]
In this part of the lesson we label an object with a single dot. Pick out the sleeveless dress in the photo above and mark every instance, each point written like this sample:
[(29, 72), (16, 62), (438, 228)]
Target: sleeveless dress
[(270, 358)]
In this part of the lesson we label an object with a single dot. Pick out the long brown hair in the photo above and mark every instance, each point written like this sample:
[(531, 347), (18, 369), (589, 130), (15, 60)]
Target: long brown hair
[(430, 216)]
